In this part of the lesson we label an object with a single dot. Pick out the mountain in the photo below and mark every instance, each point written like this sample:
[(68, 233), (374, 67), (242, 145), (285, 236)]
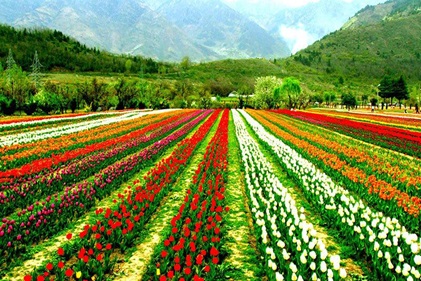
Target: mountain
[(13, 9), (140, 27), (387, 11), (119, 26), (304, 25), (222, 29), (389, 45)]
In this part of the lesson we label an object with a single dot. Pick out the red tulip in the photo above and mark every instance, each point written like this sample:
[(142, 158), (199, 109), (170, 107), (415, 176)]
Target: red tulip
[(214, 251), (199, 259), (60, 252), (69, 272), (187, 270), (49, 266), (69, 236)]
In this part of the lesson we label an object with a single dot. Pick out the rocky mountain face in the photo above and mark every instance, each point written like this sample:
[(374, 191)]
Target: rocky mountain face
[(222, 29)]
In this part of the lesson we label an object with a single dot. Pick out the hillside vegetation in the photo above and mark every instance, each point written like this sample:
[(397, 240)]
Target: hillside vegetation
[(390, 47), (59, 52)]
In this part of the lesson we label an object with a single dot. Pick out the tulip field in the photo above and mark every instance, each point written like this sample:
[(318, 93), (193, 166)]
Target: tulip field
[(204, 194)]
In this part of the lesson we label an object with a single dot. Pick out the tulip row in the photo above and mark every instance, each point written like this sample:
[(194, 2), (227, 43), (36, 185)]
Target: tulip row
[(18, 155), (401, 140), (379, 193), (23, 192), (404, 173), (288, 242), (393, 251), (396, 121), (193, 249), (117, 228), (45, 119), (68, 129), (39, 164), (20, 127), (58, 211)]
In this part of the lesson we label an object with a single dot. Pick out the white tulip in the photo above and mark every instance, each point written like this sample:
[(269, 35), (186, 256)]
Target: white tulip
[(342, 273), (313, 266), (293, 267), (401, 258), (415, 249), (417, 260), (323, 266), (279, 277)]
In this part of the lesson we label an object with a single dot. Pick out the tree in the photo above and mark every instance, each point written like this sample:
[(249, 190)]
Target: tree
[(374, 101), (185, 63), (291, 90), (317, 98), (329, 97), (128, 65), (386, 87), (400, 90), (364, 99), (349, 100), (264, 90)]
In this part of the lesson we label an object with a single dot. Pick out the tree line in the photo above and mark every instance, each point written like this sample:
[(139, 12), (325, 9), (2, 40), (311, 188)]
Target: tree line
[(61, 52)]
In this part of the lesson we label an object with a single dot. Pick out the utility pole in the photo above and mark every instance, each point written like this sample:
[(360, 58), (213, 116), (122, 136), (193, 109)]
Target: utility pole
[(10, 64), (36, 70)]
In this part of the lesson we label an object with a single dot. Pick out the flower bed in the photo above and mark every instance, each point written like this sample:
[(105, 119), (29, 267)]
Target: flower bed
[(41, 220), (393, 251), (401, 140), (288, 242), (119, 226), (25, 190), (193, 250)]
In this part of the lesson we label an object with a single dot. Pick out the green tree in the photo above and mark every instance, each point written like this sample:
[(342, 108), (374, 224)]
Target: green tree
[(264, 90), (386, 88), (128, 65), (185, 63), (364, 99), (349, 100), (329, 97), (400, 90), (291, 91)]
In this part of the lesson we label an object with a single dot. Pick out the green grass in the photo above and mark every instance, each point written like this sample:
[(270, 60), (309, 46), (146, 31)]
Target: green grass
[(241, 244)]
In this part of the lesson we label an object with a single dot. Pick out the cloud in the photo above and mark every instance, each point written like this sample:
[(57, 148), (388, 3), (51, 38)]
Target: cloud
[(296, 37)]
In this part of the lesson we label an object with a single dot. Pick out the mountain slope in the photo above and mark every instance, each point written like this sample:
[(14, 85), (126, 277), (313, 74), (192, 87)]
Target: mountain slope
[(390, 47), (302, 26), (222, 29), (57, 51), (389, 10), (120, 26)]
